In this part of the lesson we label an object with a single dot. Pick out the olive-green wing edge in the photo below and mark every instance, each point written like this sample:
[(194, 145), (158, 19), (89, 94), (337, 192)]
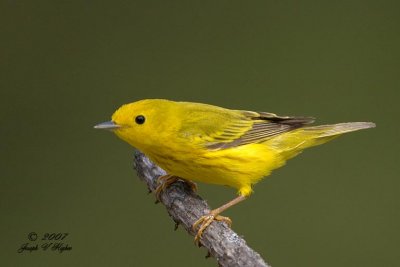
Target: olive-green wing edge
[(265, 126)]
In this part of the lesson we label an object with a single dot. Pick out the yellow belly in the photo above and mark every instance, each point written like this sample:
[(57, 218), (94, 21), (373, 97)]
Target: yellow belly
[(238, 167)]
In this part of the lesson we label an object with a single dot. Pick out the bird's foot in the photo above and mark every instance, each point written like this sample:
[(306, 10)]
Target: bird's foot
[(193, 185), (163, 182), (205, 221), (166, 180)]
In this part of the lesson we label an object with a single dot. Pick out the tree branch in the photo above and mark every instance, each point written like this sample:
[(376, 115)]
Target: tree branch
[(185, 207)]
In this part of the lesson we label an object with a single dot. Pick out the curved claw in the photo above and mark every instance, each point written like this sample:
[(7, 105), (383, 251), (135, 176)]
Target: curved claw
[(166, 180), (192, 185), (205, 221)]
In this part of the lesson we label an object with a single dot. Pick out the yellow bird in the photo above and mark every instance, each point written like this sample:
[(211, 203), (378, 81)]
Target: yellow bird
[(210, 144)]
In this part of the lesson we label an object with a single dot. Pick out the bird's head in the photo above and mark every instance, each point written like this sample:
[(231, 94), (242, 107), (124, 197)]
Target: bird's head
[(143, 123)]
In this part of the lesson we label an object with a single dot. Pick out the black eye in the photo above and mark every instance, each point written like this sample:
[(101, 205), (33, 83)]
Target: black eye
[(140, 119)]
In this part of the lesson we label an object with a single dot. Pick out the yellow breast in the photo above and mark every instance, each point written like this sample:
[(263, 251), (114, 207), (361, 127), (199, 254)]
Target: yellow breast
[(238, 167)]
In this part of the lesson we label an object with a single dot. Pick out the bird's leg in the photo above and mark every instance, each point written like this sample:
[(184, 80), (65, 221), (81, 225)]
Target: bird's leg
[(166, 180), (206, 220)]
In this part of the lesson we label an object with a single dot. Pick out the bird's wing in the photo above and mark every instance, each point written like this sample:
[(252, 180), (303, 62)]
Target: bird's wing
[(222, 129), (264, 126)]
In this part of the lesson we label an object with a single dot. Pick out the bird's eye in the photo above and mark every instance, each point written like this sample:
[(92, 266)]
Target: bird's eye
[(140, 119)]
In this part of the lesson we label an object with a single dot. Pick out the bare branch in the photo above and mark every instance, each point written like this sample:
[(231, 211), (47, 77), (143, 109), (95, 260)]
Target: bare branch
[(185, 207)]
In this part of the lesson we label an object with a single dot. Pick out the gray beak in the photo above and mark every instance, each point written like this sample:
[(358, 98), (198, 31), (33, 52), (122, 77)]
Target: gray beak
[(108, 125)]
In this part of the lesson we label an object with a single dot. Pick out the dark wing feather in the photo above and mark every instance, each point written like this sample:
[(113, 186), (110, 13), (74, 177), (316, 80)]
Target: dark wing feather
[(265, 126)]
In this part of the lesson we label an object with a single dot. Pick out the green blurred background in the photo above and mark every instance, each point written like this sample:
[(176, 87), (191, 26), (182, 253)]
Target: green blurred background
[(67, 65)]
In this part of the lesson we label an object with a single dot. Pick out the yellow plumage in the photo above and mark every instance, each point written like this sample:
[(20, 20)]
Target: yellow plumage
[(208, 144), (215, 145)]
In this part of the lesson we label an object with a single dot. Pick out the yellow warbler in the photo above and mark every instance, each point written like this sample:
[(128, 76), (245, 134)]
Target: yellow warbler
[(210, 144)]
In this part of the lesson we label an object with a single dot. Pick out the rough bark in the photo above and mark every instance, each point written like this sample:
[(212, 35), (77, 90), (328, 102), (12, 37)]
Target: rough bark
[(185, 207)]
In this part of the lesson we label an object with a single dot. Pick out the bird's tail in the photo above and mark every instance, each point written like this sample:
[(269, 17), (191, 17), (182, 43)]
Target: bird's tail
[(292, 143), (323, 133)]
